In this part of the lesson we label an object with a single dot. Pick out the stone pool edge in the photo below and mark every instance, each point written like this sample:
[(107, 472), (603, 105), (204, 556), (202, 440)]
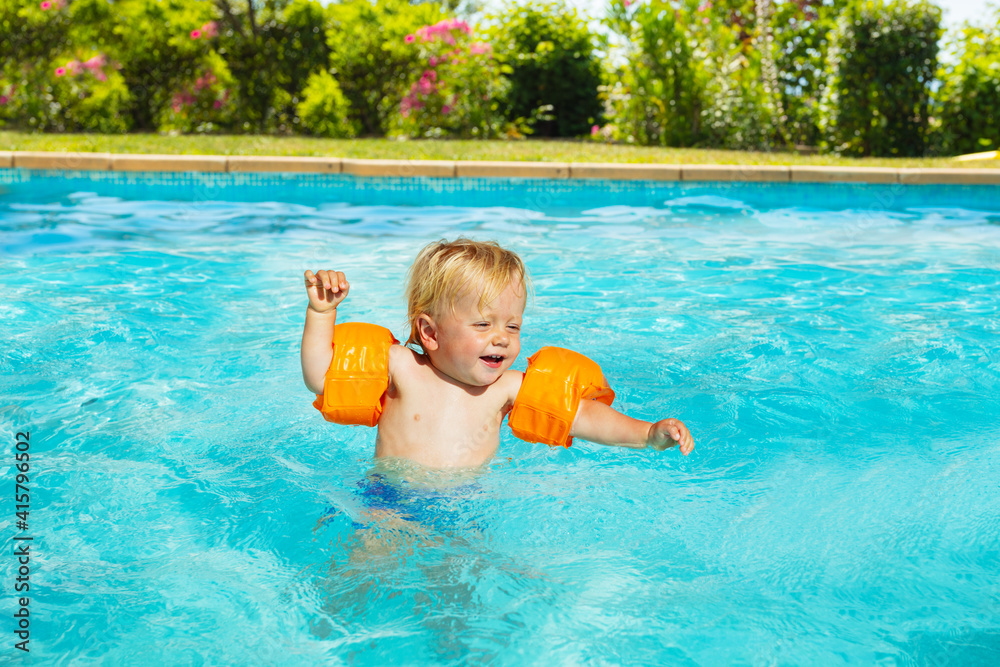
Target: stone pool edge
[(485, 169)]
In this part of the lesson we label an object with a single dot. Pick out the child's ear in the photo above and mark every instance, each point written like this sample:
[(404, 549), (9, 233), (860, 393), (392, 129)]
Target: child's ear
[(427, 331)]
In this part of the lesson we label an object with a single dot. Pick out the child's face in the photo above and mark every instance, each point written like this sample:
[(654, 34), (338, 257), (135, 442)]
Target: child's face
[(476, 347)]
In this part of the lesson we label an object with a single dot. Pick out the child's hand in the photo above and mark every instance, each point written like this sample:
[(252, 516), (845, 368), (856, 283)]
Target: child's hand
[(326, 290), (668, 433)]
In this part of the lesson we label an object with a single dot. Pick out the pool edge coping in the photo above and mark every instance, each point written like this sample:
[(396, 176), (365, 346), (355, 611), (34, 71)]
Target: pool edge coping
[(122, 162)]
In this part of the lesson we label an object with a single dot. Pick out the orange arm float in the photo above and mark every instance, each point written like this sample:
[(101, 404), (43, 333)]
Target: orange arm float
[(358, 377), (554, 384)]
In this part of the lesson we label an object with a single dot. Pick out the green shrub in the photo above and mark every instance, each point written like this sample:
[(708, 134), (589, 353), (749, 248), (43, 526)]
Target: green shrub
[(303, 48), (656, 97), (461, 92), (553, 63), (271, 48), (695, 74), (968, 101), (324, 111), (881, 62), (371, 59), (742, 108), (801, 31)]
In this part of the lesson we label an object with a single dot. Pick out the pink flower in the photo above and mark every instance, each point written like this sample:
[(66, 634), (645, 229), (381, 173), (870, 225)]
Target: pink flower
[(204, 81), (433, 61), (96, 62), (595, 130), (217, 104), (446, 109), (100, 76), (455, 24), (478, 48), (45, 5), (627, 2), (3, 99), (410, 39), (210, 29), (705, 20), (195, 34), (60, 71), (705, 6)]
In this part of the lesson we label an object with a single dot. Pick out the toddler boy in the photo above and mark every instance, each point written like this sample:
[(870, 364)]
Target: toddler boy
[(444, 406)]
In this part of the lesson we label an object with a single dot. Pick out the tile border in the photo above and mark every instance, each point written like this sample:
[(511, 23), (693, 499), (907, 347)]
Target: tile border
[(496, 169), (69, 161), (945, 177)]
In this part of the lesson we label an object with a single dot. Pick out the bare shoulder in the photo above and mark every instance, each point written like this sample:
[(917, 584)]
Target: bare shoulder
[(510, 384), (402, 361)]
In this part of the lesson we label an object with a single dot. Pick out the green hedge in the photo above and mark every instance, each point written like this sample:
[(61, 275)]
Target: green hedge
[(553, 65), (853, 76), (882, 60)]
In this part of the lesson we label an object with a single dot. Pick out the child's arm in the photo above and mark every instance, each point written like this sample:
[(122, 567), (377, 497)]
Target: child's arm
[(326, 290), (604, 425)]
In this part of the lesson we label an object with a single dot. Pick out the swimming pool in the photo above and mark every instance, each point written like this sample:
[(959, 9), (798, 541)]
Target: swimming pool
[(833, 349)]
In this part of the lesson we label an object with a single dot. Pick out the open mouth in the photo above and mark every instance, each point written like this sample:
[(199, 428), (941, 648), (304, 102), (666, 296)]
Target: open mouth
[(492, 360)]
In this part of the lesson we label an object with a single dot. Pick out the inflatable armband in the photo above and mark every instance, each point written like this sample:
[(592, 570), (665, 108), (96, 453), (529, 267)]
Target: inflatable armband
[(358, 377), (554, 384)]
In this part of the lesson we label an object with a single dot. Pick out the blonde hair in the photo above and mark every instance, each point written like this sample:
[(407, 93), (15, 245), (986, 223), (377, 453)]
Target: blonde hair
[(444, 271)]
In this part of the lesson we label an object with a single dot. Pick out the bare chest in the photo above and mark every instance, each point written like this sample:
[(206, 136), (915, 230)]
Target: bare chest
[(438, 423)]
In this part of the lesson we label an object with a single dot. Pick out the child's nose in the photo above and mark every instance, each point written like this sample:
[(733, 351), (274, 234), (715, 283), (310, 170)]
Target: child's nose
[(501, 337)]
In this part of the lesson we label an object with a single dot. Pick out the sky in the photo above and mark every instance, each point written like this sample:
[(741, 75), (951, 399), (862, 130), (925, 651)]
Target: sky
[(956, 12)]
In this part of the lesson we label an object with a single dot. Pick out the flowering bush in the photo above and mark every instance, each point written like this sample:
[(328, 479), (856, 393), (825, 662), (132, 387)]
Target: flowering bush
[(202, 105), (460, 92), (152, 40), (371, 59), (69, 95)]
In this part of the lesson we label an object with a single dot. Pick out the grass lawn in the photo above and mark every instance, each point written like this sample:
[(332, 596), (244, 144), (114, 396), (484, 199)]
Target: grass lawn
[(437, 149)]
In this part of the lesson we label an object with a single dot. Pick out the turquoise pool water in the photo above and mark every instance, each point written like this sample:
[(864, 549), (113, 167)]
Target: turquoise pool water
[(834, 350)]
